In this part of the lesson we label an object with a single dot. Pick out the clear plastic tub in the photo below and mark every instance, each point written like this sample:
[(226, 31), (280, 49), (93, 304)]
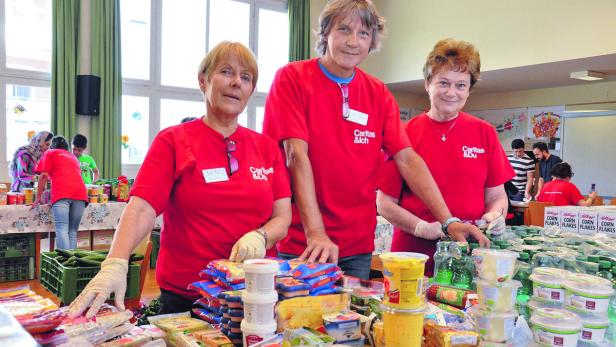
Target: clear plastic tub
[(555, 327), (403, 276), (587, 293), (548, 284), (594, 328), (494, 266), (494, 326), (497, 297), (403, 328), (534, 304)]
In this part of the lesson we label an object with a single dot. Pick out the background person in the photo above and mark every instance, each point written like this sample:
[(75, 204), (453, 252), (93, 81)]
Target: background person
[(561, 191), (68, 192), (89, 171), (25, 160), (223, 189), (332, 120), (546, 162), (524, 168), (461, 151)]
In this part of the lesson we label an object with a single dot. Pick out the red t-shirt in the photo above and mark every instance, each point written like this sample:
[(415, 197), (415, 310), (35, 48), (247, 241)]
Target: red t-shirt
[(202, 221), (561, 193), (304, 103), (64, 174), (463, 166)]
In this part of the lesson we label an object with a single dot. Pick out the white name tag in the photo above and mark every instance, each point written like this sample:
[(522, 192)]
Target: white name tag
[(215, 175), (358, 117)]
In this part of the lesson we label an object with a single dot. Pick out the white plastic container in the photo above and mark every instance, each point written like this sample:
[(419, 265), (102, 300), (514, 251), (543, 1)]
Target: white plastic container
[(594, 328), (548, 284), (495, 326), (587, 293), (495, 344), (555, 327), (259, 274), (343, 326), (255, 333), (259, 308), (494, 266), (497, 297), (534, 304)]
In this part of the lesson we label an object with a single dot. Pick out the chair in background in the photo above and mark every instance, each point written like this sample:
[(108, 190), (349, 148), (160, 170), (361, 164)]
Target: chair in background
[(536, 211)]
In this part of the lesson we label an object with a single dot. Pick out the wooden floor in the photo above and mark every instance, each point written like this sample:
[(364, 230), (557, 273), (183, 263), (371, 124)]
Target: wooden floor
[(150, 288)]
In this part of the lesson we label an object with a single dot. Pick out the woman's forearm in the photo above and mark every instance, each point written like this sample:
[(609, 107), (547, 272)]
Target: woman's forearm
[(136, 222), (277, 227), (388, 207)]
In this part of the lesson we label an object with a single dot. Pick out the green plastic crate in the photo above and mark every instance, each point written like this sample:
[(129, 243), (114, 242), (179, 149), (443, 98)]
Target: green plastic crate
[(17, 245), (17, 269), (155, 238), (68, 282)]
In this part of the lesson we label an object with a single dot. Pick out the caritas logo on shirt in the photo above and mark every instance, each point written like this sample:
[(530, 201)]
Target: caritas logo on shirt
[(472, 152), (363, 136), (260, 173)]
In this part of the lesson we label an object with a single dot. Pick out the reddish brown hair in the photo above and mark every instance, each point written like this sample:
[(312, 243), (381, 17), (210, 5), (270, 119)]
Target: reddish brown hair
[(453, 55)]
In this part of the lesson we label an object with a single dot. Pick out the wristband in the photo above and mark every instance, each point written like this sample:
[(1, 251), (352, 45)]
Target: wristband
[(262, 232), (449, 221)]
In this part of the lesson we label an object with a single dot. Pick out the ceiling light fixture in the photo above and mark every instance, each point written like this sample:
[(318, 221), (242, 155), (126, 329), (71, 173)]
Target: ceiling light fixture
[(587, 75)]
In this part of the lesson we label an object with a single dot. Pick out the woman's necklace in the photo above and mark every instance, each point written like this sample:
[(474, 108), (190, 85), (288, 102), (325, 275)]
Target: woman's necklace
[(444, 135)]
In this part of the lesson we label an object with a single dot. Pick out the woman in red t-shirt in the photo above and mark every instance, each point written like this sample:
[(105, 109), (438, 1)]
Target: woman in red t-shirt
[(462, 152), (68, 192), (561, 191)]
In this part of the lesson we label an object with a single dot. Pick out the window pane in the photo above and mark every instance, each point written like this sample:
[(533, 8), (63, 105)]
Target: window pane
[(28, 34), (183, 41), (135, 128), (243, 118), (273, 46), (28, 111), (135, 23), (259, 119), (230, 21), (172, 111)]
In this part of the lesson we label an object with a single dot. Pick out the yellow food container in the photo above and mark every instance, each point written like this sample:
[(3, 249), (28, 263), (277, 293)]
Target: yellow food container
[(103, 198), (403, 328), (28, 196), (94, 199), (404, 273)]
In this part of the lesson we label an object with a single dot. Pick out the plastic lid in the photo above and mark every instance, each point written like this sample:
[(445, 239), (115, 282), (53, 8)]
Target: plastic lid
[(341, 316), (258, 298), (261, 266), (535, 304), (556, 320), (391, 310), (595, 321), (589, 286), (403, 256), (494, 252), (261, 328), (549, 276), (507, 284), (482, 312)]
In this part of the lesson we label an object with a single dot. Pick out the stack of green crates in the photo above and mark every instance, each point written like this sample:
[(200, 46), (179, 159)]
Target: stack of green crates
[(17, 257), (155, 237), (68, 282)]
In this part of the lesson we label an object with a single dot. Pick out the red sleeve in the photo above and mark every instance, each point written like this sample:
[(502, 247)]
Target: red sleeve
[(573, 194), (499, 168), (394, 137), (281, 186), (390, 180), (167, 157), (46, 163), (285, 112)]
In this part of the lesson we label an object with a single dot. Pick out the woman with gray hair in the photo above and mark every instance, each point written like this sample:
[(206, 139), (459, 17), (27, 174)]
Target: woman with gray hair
[(25, 160), (332, 120)]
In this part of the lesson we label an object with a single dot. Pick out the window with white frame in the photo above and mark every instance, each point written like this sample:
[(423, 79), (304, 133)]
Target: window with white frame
[(168, 38), (25, 74)]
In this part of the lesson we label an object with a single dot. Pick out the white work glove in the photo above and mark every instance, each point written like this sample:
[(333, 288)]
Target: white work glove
[(249, 246), (429, 231), (496, 223), (111, 279)]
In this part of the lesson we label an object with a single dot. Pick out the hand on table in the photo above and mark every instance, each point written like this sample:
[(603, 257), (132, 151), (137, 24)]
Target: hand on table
[(321, 249)]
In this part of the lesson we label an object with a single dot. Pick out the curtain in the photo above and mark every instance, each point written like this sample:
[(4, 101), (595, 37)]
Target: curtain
[(64, 67), (299, 29), (106, 127)]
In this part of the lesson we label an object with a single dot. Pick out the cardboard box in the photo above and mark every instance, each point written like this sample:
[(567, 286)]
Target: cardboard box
[(551, 217), (84, 240), (101, 239), (569, 218), (606, 223), (587, 222)]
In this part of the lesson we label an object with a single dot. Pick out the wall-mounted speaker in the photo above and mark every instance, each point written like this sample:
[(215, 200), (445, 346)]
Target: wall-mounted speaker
[(88, 95)]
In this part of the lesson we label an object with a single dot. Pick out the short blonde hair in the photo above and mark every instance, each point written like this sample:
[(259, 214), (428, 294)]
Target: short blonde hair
[(335, 10), (454, 55), (221, 52)]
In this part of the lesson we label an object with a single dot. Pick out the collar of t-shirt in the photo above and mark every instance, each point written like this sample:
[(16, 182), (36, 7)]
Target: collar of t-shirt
[(237, 135), (333, 77)]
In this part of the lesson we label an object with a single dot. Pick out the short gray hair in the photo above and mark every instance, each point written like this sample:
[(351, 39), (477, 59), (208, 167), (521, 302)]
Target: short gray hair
[(337, 9)]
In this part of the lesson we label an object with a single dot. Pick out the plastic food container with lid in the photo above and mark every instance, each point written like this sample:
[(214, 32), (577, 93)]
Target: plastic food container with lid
[(259, 275), (555, 327), (403, 328), (494, 266), (587, 293), (534, 304), (256, 333), (259, 308), (548, 283), (403, 274), (497, 297), (495, 326), (594, 328)]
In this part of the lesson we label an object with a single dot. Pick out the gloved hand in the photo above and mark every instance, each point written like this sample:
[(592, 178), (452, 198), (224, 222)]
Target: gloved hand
[(428, 231), (497, 226), (249, 246), (111, 279)]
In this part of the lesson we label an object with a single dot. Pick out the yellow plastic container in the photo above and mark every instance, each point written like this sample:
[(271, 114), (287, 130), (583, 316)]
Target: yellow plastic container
[(403, 274), (403, 328)]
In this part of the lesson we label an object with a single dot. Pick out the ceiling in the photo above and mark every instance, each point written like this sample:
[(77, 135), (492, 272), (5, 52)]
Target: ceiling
[(547, 75)]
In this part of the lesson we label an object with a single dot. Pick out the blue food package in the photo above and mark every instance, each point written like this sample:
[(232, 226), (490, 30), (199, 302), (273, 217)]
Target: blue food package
[(289, 284), (312, 270), (234, 312), (228, 285), (207, 316), (322, 280), (326, 291), (206, 289)]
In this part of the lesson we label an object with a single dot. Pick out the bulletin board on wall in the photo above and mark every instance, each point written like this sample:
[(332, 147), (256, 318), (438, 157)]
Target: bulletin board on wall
[(589, 146)]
